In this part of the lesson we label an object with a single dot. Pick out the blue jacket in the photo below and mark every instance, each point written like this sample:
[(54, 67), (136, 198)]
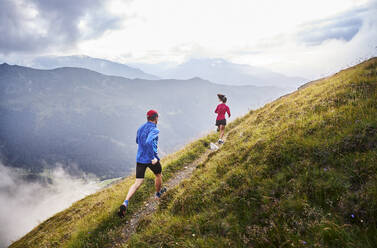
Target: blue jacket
[(147, 138)]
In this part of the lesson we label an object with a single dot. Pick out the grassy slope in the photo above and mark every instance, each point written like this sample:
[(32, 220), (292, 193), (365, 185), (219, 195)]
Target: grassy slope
[(299, 172), (92, 221), (292, 173)]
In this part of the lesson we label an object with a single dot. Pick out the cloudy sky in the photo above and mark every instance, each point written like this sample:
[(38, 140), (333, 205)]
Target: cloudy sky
[(309, 38)]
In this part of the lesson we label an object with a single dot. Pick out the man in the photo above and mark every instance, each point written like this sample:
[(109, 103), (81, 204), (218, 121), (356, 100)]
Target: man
[(147, 157)]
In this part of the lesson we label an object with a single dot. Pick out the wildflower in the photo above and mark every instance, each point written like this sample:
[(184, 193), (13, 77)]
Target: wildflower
[(352, 216)]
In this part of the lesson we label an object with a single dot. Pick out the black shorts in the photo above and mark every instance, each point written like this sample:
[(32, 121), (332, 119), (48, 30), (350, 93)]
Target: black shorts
[(221, 122), (140, 169)]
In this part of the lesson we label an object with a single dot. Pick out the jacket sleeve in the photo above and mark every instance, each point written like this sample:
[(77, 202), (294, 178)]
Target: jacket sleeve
[(155, 149), (152, 141), (228, 110), (137, 136), (217, 109)]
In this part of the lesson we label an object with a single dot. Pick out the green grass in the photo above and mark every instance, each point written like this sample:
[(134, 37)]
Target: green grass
[(92, 221), (299, 172)]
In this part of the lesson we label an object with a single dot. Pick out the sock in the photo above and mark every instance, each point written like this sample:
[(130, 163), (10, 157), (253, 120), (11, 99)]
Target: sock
[(125, 203)]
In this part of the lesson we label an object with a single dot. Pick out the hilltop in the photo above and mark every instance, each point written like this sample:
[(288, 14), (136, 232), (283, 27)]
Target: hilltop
[(299, 172)]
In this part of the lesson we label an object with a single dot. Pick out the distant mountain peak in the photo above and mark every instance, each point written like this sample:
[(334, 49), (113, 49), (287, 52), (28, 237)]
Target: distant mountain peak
[(221, 71), (100, 65), (196, 78)]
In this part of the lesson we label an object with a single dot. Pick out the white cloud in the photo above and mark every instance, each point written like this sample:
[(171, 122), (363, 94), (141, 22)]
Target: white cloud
[(287, 54), (173, 30), (25, 204), (263, 33)]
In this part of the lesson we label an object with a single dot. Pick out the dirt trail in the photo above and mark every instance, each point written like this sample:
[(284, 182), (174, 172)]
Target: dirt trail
[(151, 204)]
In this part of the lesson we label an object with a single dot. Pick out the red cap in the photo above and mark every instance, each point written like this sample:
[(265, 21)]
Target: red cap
[(151, 113)]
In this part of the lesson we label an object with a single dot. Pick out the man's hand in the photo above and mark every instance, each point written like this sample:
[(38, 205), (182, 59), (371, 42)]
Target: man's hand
[(154, 161)]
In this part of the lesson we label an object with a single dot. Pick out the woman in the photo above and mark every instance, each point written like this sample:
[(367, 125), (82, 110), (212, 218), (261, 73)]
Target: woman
[(221, 109)]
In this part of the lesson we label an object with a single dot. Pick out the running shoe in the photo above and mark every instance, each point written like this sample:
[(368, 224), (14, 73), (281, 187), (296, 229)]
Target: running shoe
[(162, 191), (123, 209)]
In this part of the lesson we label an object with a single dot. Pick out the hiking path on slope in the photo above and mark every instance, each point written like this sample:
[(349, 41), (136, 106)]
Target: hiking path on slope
[(151, 204)]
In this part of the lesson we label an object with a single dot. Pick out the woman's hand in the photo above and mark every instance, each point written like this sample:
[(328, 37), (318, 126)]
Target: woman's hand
[(154, 161)]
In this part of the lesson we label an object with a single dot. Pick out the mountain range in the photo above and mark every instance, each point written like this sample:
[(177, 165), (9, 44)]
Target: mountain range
[(223, 72), (87, 121), (216, 70), (103, 66)]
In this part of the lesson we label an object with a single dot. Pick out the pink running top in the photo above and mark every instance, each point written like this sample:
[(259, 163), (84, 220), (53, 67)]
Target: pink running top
[(221, 109)]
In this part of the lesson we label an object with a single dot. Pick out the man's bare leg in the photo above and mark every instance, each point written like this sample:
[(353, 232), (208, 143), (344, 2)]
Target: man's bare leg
[(158, 182), (131, 192), (134, 187)]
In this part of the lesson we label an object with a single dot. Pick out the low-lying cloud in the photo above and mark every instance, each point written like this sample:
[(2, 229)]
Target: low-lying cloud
[(26, 204)]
